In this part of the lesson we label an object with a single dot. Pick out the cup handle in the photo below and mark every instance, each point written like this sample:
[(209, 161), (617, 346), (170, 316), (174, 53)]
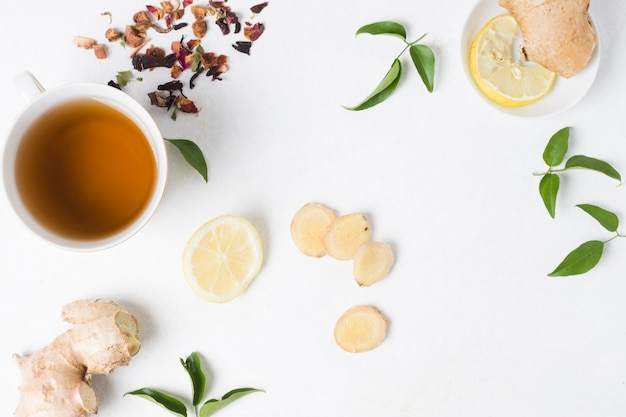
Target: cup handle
[(28, 86)]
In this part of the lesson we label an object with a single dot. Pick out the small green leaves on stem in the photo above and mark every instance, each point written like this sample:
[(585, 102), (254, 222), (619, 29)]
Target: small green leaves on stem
[(193, 366), (192, 154), (553, 155), (586, 256), (422, 56)]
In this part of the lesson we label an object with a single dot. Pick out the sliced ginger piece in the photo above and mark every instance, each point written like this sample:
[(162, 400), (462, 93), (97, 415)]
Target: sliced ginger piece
[(308, 227), (360, 328), (345, 235), (372, 263)]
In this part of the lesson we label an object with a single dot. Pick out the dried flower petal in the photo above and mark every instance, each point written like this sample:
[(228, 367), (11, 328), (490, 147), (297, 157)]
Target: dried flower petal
[(171, 87), (259, 7), (192, 80), (156, 12), (254, 32), (223, 26), (158, 100), (192, 43), (147, 61), (243, 46), (185, 105), (176, 70)]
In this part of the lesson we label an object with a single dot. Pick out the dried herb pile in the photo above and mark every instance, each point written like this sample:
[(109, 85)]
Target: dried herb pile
[(188, 54)]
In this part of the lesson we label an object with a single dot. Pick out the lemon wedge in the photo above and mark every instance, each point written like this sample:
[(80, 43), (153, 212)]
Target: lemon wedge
[(499, 71), (222, 258)]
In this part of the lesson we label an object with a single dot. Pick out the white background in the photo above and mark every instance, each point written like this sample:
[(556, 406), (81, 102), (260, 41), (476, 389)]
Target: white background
[(476, 326)]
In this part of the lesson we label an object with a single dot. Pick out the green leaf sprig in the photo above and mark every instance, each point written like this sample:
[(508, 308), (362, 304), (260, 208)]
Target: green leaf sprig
[(177, 406), (192, 154), (586, 256), (422, 56), (553, 156)]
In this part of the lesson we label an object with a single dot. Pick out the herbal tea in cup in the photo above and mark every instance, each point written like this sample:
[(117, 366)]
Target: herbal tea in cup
[(84, 166)]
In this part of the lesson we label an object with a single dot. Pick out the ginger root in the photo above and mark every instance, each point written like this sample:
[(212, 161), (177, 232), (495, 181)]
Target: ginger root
[(557, 34), (56, 380), (360, 328)]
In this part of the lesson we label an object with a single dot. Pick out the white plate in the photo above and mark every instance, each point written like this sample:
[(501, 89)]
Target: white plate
[(566, 91)]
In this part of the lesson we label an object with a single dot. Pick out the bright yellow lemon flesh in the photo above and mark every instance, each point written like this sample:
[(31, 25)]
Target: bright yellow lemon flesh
[(222, 258), (498, 70)]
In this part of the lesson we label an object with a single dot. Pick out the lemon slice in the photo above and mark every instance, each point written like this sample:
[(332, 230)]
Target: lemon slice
[(222, 258), (500, 72)]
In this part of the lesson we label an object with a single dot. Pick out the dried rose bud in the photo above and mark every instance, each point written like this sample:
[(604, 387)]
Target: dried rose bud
[(199, 28), (112, 35), (83, 42), (100, 51)]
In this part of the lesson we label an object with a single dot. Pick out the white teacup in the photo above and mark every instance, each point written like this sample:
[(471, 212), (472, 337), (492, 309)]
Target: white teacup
[(84, 165)]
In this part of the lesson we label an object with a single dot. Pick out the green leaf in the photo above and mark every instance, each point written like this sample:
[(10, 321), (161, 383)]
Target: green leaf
[(557, 147), (192, 154), (580, 260), (581, 161), (170, 403), (606, 218), (384, 88), (214, 405), (193, 366), (424, 61), (384, 28), (549, 188)]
